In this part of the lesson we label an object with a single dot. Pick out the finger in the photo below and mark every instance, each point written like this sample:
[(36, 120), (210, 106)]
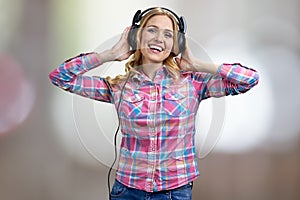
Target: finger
[(177, 60), (186, 43), (187, 48), (129, 53), (125, 32)]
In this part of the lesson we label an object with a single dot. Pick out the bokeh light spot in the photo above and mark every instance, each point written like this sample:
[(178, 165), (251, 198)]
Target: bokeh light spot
[(17, 94)]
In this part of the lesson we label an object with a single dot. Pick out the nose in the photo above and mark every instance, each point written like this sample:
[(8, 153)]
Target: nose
[(159, 36)]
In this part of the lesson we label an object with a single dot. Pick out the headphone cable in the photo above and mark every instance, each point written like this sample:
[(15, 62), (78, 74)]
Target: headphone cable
[(115, 136)]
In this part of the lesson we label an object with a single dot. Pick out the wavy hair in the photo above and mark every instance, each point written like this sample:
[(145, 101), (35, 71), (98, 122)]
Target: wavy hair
[(136, 58)]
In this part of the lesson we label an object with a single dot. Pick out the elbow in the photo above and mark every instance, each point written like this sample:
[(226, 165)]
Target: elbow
[(255, 80), (60, 80), (252, 82), (53, 77), (243, 88)]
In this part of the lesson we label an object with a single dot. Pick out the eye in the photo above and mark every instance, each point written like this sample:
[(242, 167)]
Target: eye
[(168, 35), (151, 30)]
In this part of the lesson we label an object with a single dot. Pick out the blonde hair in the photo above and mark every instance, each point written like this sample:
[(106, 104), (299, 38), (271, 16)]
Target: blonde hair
[(136, 58)]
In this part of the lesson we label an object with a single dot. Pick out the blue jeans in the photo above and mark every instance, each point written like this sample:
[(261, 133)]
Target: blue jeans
[(122, 192)]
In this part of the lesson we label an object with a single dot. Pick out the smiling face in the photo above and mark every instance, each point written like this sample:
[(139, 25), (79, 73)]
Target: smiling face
[(157, 39)]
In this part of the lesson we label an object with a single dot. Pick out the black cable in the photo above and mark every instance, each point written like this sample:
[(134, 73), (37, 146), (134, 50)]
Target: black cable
[(115, 136)]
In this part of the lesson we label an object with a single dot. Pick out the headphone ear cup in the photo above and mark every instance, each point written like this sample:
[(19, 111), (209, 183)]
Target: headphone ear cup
[(181, 34), (132, 37), (181, 41), (133, 31)]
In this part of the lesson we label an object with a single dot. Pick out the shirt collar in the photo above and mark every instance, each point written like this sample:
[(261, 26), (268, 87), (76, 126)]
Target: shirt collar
[(139, 76)]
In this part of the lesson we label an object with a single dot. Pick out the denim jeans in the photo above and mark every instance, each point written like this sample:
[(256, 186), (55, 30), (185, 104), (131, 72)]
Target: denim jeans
[(122, 192)]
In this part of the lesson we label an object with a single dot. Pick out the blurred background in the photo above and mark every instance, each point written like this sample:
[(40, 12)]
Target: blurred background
[(57, 146)]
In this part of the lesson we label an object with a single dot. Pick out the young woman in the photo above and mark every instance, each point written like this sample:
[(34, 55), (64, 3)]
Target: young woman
[(156, 100)]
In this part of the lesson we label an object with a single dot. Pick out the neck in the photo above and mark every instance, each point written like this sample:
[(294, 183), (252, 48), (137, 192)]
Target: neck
[(150, 69)]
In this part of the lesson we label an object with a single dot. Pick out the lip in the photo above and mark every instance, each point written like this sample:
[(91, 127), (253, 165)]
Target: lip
[(156, 46)]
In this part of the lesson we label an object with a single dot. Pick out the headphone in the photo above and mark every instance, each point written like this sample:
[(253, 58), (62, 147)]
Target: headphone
[(135, 27)]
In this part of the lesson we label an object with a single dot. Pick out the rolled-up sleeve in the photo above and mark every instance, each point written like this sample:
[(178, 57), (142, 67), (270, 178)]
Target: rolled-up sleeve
[(231, 79), (69, 76)]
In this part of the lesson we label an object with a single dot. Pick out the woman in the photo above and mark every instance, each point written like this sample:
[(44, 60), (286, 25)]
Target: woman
[(157, 101)]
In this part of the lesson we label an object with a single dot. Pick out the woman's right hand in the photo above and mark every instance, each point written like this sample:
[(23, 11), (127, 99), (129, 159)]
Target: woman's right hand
[(120, 51)]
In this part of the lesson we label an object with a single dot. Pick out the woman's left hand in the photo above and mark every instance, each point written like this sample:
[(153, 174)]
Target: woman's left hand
[(121, 50), (186, 60)]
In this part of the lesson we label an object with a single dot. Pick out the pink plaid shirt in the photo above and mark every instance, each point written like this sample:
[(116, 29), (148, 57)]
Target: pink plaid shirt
[(157, 116)]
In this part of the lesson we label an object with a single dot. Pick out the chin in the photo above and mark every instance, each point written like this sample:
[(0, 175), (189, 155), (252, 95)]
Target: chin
[(157, 58)]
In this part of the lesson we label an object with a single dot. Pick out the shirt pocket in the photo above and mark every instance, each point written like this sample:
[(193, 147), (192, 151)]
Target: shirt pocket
[(175, 103), (132, 105)]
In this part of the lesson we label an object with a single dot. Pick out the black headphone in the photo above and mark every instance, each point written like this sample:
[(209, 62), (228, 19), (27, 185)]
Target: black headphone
[(135, 26)]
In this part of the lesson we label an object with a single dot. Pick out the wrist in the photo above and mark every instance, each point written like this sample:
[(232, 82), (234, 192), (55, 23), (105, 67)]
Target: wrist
[(105, 56), (208, 67)]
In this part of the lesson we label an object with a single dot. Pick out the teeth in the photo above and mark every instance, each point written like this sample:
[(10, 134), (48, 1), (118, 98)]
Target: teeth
[(158, 48)]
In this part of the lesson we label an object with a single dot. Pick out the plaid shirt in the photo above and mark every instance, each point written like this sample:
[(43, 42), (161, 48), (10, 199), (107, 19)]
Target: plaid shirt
[(157, 116)]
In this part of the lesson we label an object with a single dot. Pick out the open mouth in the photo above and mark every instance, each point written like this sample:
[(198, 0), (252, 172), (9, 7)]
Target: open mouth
[(156, 48)]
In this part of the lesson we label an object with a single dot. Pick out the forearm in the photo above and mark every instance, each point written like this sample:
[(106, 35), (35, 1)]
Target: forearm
[(207, 67), (67, 72), (106, 56)]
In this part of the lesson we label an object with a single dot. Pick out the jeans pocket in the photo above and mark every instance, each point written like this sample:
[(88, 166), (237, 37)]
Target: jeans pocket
[(182, 193), (118, 189)]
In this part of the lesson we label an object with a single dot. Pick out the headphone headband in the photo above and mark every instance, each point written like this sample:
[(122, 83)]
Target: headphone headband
[(180, 20)]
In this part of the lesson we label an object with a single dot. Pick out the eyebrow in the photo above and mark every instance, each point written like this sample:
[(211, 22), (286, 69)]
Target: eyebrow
[(169, 30)]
